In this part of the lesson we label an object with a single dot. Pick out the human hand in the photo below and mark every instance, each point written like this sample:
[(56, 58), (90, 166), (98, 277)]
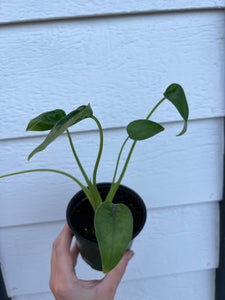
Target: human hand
[(63, 280)]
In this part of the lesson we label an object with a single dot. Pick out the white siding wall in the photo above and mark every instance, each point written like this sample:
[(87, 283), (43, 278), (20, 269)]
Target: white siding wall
[(119, 56)]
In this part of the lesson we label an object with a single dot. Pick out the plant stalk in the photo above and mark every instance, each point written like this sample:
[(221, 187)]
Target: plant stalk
[(100, 149), (95, 200), (115, 186), (76, 157), (118, 159), (85, 189), (154, 108), (46, 170), (134, 143)]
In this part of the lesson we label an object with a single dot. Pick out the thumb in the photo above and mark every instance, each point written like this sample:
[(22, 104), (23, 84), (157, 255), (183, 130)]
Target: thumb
[(113, 278)]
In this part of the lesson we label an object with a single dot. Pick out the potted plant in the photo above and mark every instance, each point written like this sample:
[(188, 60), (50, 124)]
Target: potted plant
[(104, 217)]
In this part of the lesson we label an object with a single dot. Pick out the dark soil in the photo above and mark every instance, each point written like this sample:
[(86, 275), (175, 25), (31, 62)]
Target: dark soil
[(82, 215)]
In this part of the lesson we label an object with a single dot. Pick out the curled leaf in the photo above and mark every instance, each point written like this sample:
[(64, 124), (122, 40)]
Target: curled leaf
[(175, 94)]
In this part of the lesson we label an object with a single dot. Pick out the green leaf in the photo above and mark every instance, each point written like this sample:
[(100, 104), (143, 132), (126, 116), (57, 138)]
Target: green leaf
[(63, 124), (143, 129), (46, 120), (113, 228), (175, 94)]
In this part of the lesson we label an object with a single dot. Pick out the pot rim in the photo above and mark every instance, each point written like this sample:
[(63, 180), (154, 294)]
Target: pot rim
[(102, 184)]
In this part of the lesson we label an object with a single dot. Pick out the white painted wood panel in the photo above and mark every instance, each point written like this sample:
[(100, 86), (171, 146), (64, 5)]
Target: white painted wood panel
[(119, 65), (13, 10), (187, 286), (165, 171), (175, 240)]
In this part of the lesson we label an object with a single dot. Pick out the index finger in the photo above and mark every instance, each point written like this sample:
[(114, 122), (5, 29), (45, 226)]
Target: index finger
[(64, 239)]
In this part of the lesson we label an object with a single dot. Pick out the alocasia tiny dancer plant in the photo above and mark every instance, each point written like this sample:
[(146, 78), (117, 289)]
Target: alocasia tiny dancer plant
[(113, 222)]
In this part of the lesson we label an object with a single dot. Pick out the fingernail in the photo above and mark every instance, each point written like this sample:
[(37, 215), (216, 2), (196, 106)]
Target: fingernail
[(130, 254)]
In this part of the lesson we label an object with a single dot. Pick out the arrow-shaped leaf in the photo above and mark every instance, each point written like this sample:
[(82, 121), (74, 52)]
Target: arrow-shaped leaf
[(175, 94), (113, 228), (46, 120), (143, 129), (72, 118)]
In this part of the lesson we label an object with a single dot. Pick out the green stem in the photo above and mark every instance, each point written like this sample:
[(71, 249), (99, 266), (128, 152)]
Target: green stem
[(134, 143), (76, 157), (126, 163), (92, 193), (118, 159), (115, 186), (154, 108), (100, 149), (46, 170), (86, 190)]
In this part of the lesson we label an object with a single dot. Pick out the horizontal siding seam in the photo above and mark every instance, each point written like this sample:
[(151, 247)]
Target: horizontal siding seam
[(127, 280), (120, 14), (21, 225), (176, 274), (39, 135)]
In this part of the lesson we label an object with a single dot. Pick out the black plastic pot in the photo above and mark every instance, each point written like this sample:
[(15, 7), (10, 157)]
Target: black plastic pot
[(80, 218)]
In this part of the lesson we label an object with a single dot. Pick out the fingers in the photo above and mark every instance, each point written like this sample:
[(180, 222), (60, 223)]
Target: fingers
[(74, 253), (62, 261), (113, 278), (63, 241)]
